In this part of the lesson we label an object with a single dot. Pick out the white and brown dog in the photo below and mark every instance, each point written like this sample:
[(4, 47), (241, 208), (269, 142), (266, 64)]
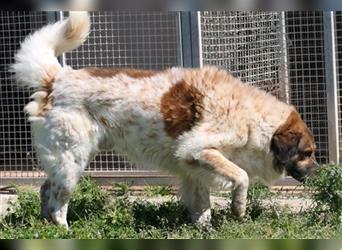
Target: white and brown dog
[(203, 125)]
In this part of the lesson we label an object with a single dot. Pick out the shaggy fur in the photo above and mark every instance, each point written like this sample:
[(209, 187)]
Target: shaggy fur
[(202, 124)]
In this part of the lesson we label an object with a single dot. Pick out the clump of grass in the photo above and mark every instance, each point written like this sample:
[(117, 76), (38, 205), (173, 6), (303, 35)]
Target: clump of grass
[(157, 191), (24, 211), (257, 192), (87, 200), (170, 214), (122, 188), (326, 185)]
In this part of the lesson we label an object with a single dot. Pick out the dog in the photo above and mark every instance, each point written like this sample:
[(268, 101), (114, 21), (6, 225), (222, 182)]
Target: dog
[(203, 125)]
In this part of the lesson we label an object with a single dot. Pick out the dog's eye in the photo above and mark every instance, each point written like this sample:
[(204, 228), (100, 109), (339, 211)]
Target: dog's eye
[(307, 154)]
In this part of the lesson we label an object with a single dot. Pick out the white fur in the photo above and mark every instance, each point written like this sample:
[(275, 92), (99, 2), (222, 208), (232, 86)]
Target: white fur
[(36, 60)]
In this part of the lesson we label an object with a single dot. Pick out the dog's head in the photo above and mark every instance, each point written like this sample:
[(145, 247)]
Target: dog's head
[(293, 148)]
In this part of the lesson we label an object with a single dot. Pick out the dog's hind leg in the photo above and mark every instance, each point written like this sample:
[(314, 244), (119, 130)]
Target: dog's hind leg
[(196, 197), (62, 180), (45, 191), (64, 145)]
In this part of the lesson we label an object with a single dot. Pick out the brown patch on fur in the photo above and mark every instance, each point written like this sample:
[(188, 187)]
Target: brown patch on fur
[(47, 103), (105, 122), (293, 126), (192, 162), (181, 108), (50, 77), (110, 72), (41, 104)]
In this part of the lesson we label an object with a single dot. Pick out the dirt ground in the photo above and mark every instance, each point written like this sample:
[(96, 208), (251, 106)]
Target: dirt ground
[(294, 202)]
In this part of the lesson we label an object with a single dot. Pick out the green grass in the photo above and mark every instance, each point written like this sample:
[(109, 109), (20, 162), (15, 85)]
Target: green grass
[(94, 213)]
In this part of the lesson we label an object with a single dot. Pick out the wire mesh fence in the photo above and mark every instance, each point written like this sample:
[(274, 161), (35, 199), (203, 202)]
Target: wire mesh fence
[(306, 69), (246, 43), (251, 45), (147, 40), (17, 156), (338, 49), (122, 39)]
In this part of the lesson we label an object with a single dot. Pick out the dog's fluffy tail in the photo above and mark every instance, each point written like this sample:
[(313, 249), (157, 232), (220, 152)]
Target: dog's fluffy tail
[(36, 62)]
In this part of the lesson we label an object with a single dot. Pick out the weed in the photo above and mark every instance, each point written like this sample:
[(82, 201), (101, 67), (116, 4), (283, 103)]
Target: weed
[(327, 194), (256, 194), (170, 214), (122, 188), (87, 200), (26, 210), (157, 190)]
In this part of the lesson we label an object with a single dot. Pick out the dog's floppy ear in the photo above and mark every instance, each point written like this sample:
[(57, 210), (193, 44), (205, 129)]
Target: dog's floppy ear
[(284, 145)]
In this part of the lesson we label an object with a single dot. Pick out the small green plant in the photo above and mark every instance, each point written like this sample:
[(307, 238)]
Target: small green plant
[(121, 188), (158, 190), (119, 212), (25, 210), (326, 185), (257, 192), (87, 200), (170, 214)]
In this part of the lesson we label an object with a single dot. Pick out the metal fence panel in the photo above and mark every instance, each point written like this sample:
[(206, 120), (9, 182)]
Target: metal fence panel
[(338, 49), (251, 45), (147, 40), (306, 67), (17, 157), (247, 43), (124, 39)]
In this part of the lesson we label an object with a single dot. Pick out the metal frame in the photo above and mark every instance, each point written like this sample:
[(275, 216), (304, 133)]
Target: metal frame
[(331, 81), (191, 48), (284, 76)]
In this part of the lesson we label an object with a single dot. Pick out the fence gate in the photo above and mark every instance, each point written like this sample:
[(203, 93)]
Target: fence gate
[(297, 56)]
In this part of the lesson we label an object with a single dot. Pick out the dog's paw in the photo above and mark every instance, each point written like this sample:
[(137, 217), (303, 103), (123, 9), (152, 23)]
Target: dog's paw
[(238, 209)]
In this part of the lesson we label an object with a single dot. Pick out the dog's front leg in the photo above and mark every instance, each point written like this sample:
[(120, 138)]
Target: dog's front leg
[(231, 173)]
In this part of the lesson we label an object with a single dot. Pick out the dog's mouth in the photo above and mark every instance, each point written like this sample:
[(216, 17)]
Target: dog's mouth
[(301, 174)]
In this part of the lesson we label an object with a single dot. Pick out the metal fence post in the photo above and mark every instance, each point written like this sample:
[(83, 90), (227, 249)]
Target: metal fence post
[(284, 76), (331, 79), (190, 32), (54, 16), (61, 58)]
